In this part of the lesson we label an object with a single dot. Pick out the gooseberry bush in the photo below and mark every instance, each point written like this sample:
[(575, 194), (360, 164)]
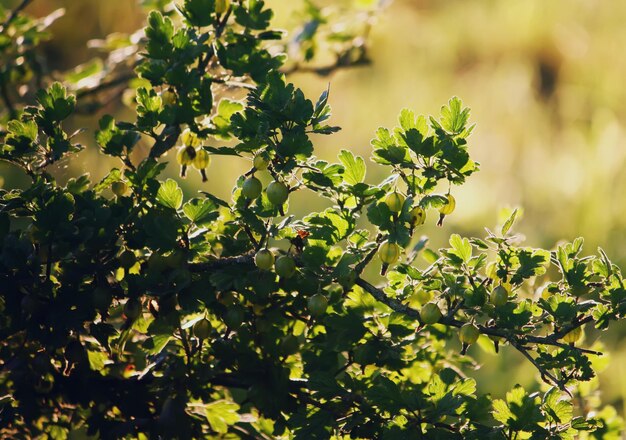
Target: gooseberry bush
[(128, 311)]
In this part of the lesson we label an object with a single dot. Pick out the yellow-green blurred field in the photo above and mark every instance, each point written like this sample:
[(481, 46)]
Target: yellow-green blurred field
[(546, 84)]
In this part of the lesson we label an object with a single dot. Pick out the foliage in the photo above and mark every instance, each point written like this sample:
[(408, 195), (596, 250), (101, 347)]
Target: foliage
[(127, 310)]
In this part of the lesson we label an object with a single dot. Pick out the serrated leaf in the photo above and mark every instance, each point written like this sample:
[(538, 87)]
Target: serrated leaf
[(433, 201), (225, 110), (354, 167), (170, 195), (467, 387), (556, 407), (454, 116), (461, 246), (200, 210), (501, 411), (221, 414)]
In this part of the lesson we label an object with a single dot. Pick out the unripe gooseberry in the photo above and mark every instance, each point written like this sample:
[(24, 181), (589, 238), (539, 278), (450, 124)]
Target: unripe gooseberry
[(448, 208), (202, 329), (389, 252), (469, 333), (127, 259), (202, 159), (417, 216), (132, 309), (260, 162), (277, 193), (264, 259), (285, 266), (221, 6), (394, 201), (317, 304), (201, 162), (573, 336), (119, 188), (430, 313), (190, 139), (234, 318), (251, 188), (185, 155), (499, 296)]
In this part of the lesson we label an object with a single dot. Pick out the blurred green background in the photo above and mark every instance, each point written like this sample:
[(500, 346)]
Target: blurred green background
[(544, 80)]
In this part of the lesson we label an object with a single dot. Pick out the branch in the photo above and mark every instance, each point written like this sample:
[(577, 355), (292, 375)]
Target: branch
[(392, 303), (166, 140), (19, 8), (328, 69), (361, 266), (516, 340), (247, 259), (105, 85), (546, 376)]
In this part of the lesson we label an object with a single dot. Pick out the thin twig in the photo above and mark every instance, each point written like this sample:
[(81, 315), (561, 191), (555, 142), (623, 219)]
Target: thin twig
[(393, 304), (222, 262), (105, 85), (7, 99), (359, 267), (19, 8)]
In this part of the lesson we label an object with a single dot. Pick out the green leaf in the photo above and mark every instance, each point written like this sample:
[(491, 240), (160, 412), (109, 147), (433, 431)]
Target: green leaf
[(56, 103), (354, 167), (509, 223), (159, 32), (462, 247), (221, 414), (501, 411), (200, 210), (169, 194), (531, 263), (77, 185), (556, 406), (26, 129), (466, 387), (295, 143), (97, 360), (386, 149), (379, 215), (225, 110), (199, 12), (253, 16), (433, 201), (454, 116), (322, 109), (329, 226), (161, 227)]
